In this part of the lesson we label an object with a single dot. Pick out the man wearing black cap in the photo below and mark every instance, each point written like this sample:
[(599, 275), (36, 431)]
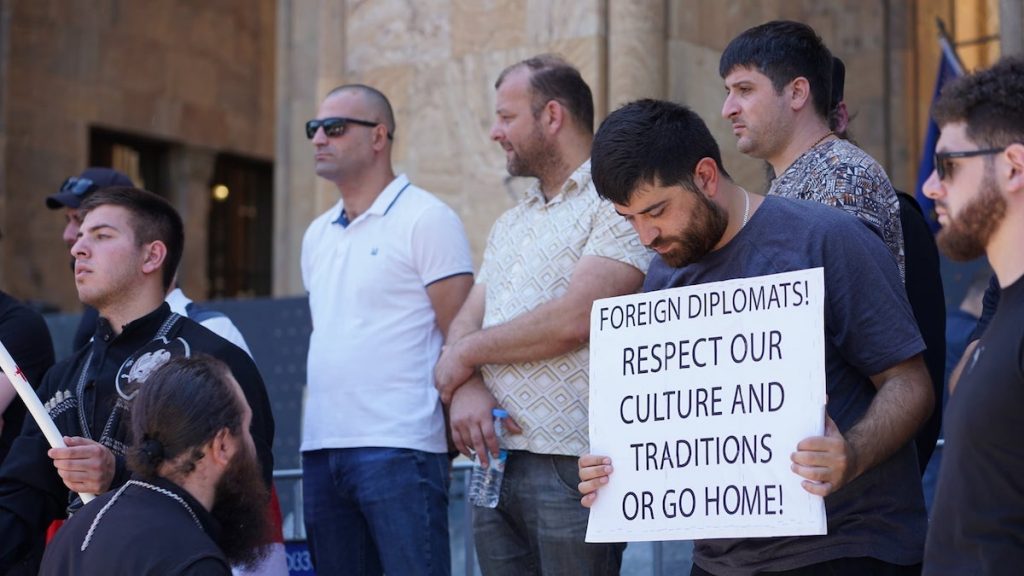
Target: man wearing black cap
[(125, 257), (70, 197), (72, 193)]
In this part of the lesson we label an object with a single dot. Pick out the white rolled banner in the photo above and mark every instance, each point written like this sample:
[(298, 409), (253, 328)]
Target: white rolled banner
[(35, 407)]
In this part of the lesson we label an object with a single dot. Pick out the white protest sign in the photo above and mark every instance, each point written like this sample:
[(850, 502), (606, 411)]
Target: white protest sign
[(699, 395)]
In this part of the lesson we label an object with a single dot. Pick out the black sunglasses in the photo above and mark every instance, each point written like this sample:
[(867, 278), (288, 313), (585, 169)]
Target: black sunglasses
[(334, 127), (945, 168), (78, 186)]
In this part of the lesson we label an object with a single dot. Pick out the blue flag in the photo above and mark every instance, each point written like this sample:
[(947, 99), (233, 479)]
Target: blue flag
[(949, 68)]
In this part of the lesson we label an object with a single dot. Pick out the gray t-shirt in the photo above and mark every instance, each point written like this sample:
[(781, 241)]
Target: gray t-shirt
[(869, 327)]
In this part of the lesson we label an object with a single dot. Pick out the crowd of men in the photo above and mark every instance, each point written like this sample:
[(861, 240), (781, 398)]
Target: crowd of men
[(166, 417)]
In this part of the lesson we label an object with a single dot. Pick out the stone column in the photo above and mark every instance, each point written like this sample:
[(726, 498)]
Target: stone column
[(637, 49), (310, 61)]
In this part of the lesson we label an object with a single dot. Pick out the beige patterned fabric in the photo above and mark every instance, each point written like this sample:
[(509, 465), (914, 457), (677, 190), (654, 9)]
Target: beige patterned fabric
[(531, 254)]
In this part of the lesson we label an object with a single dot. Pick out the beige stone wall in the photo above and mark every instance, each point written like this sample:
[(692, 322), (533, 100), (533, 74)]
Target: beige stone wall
[(866, 35), (243, 75), (437, 61), (197, 74)]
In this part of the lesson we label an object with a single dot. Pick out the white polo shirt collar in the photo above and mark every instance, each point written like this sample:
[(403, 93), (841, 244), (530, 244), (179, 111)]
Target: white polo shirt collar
[(385, 200)]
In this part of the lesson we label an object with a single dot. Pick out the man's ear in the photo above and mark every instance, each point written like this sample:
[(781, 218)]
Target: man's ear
[(380, 137), (800, 93), (156, 253), (223, 447), (552, 116), (1014, 155), (705, 177)]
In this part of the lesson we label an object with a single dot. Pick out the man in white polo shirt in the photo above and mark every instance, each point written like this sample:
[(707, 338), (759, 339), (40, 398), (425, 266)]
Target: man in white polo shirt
[(386, 269), (526, 325)]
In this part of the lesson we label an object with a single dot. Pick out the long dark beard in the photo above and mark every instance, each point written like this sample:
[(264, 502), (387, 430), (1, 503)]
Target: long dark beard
[(966, 237), (240, 506)]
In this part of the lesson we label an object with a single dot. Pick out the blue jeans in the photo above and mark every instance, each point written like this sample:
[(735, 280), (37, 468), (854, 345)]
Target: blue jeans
[(539, 525), (375, 510)]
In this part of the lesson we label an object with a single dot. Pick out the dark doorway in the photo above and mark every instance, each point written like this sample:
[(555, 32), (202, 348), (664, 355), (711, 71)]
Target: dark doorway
[(144, 160), (241, 227)]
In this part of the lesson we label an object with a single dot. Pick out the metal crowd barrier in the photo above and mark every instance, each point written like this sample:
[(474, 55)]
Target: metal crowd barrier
[(461, 472)]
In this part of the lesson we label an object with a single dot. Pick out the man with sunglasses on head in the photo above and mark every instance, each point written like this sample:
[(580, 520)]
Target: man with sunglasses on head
[(386, 268), (978, 186)]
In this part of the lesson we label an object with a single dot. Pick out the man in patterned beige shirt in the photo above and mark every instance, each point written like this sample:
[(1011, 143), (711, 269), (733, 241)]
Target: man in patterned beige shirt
[(526, 324)]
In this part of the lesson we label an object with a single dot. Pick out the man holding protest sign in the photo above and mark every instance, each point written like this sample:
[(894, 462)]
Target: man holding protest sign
[(978, 188), (126, 254), (659, 165), (525, 326)]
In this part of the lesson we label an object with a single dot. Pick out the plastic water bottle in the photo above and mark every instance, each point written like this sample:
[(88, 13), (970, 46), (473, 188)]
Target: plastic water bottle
[(485, 483)]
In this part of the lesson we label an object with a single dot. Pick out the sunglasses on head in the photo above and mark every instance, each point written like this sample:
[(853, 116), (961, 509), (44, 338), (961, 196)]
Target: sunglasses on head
[(78, 186), (945, 168), (335, 126)]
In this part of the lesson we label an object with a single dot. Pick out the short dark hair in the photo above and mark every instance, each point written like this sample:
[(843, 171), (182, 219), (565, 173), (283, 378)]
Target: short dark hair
[(990, 102), (152, 219), (377, 100), (552, 78), (784, 50), (650, 142), (182, 406)]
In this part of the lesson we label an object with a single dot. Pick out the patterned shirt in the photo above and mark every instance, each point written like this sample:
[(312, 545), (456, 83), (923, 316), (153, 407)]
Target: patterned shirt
[(530, 257), (839, 174)]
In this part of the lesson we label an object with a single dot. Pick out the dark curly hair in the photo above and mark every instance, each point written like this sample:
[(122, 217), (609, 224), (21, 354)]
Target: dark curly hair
[(990, 102), (180, 408)]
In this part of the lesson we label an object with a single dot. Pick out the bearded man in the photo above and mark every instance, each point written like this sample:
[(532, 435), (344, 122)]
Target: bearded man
[(196, 502), (978, 187)]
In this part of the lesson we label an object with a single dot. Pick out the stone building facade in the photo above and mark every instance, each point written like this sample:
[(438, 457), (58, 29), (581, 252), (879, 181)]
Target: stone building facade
[(239, 78)]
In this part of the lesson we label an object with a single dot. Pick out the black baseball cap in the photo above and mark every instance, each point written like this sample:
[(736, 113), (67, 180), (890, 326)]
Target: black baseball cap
[(76, 188)]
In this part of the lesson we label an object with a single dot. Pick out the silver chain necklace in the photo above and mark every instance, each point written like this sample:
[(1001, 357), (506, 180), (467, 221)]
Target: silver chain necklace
[(746, 207), (157, 489)]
